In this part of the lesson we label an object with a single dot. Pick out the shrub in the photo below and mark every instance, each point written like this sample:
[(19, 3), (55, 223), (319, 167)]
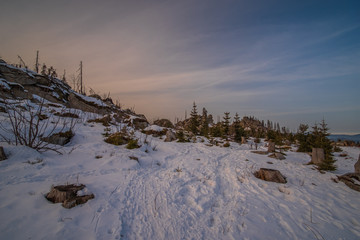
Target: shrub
[(181, 136), (105, 120), (67, 114), (132, 144), (337, 149), (227, 144), (117, 139), (29, 128)]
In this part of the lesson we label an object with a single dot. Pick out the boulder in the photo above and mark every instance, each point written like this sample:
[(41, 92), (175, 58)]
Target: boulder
[(280, 156), (270, 175), (61, 138), (2, 154), (140, 123), (170, 136), (271, 146), (317, 156), (77, 102), (68, 195), (357, 166), (351, 180), (164, 123)]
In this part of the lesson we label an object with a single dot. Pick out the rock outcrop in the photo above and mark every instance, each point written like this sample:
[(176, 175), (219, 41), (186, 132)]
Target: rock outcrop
[(351, 180), (21, 83), (357, 166)]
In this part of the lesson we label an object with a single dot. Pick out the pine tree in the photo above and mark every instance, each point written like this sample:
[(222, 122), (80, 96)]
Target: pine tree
[(194, 122), (226, 124)]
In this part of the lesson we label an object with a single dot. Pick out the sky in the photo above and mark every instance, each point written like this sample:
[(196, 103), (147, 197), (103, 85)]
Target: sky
[(287, 61)]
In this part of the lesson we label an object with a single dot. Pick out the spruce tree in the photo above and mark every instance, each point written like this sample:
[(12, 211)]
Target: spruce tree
[(226, 124), (194, 122), (321, 140), (216, 130), (304, 139), (204, 127), (239, 131)]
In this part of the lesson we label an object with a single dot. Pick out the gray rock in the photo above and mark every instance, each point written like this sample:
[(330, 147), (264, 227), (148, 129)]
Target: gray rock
[(140, 123), (164, 123), (349, 180), (61, 138), (67, 195), (170, 136), (357, 166), (279, 156), (270, 175), (317, 156), (271, 147)]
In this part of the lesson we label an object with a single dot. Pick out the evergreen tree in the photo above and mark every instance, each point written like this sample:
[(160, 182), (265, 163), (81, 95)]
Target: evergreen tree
[(194, 122), (226, 124), (239, 131), (204, 127), (180, 136), (304, 139), (320, 140), (216, 130)]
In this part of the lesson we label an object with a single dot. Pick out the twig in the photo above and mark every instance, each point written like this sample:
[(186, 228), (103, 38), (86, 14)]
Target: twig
[(316, 233)]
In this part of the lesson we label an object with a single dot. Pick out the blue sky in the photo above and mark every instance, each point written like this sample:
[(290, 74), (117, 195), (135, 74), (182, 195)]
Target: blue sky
[(287, 61)]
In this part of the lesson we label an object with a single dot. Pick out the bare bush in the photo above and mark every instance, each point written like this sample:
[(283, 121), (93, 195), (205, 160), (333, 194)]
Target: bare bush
[(28, 127)]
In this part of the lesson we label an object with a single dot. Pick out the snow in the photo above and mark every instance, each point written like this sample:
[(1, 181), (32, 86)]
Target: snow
[(4, 84), (155, 128), (91, 99), (212, 194), (25, 70)]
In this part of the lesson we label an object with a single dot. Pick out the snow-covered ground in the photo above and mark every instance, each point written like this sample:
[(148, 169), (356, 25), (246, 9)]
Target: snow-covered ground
[(177, 191)]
